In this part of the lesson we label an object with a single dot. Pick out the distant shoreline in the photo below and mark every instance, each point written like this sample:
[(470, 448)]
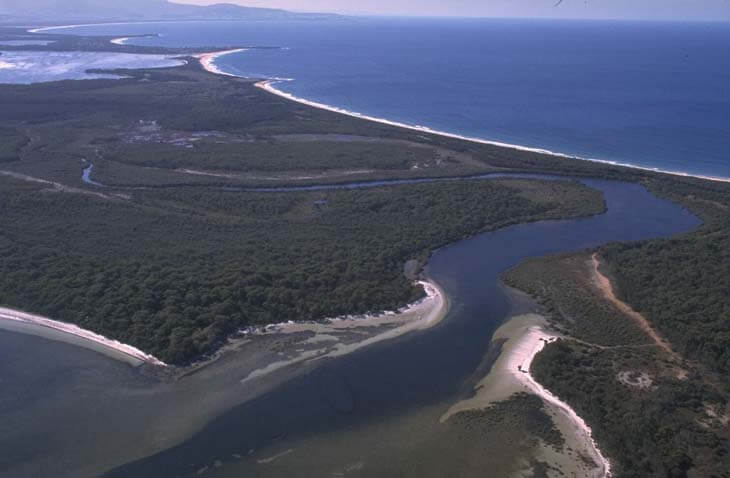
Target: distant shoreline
[(207, 61), (103, 24), (267, 84)]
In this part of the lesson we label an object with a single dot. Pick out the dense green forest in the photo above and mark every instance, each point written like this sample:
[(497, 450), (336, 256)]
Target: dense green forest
[(667, 429), (274, 155), (573, 307), (681, 284), (674, 423), (172, 268), (173, 271)]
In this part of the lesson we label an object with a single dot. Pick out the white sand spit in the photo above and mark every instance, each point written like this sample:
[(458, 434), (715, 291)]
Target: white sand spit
[(37, 325), (207, 60), (525, 336)]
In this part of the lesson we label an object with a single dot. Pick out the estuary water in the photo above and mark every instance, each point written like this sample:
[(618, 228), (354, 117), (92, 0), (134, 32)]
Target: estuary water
[(362, 410), (421, 371), (643, 93)]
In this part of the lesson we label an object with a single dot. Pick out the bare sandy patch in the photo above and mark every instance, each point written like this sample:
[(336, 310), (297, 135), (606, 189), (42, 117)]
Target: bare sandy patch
[(606, 288)]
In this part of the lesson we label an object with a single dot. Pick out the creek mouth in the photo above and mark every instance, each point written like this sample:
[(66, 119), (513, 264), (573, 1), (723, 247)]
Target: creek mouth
[(424, 372)]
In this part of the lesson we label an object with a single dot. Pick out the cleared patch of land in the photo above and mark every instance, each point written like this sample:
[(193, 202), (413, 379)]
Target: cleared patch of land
[(604, 285)]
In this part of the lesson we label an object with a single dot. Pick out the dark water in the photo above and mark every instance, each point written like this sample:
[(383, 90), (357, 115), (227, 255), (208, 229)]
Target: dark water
[(646, 93), (417, 370)]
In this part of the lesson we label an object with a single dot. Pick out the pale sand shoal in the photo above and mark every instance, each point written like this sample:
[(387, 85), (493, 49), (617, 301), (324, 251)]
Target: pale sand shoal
[(524, 337), (421, 315)]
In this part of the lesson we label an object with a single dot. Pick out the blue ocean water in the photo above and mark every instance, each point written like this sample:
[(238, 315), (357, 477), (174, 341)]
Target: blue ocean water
[(644, 93)]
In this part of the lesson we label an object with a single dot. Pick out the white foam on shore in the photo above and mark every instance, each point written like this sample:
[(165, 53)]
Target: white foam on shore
[(76, 331)]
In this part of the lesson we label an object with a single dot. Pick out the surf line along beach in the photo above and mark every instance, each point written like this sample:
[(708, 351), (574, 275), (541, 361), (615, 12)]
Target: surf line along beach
[(207, 60), (268, 85)]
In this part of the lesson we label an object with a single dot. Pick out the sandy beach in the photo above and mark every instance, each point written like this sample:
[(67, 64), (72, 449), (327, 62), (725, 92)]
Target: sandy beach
[(207, 60), (523, 337), (17, 321)]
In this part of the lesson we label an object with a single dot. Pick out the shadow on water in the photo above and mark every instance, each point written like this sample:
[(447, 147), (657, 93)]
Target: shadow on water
[(423, 368)]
